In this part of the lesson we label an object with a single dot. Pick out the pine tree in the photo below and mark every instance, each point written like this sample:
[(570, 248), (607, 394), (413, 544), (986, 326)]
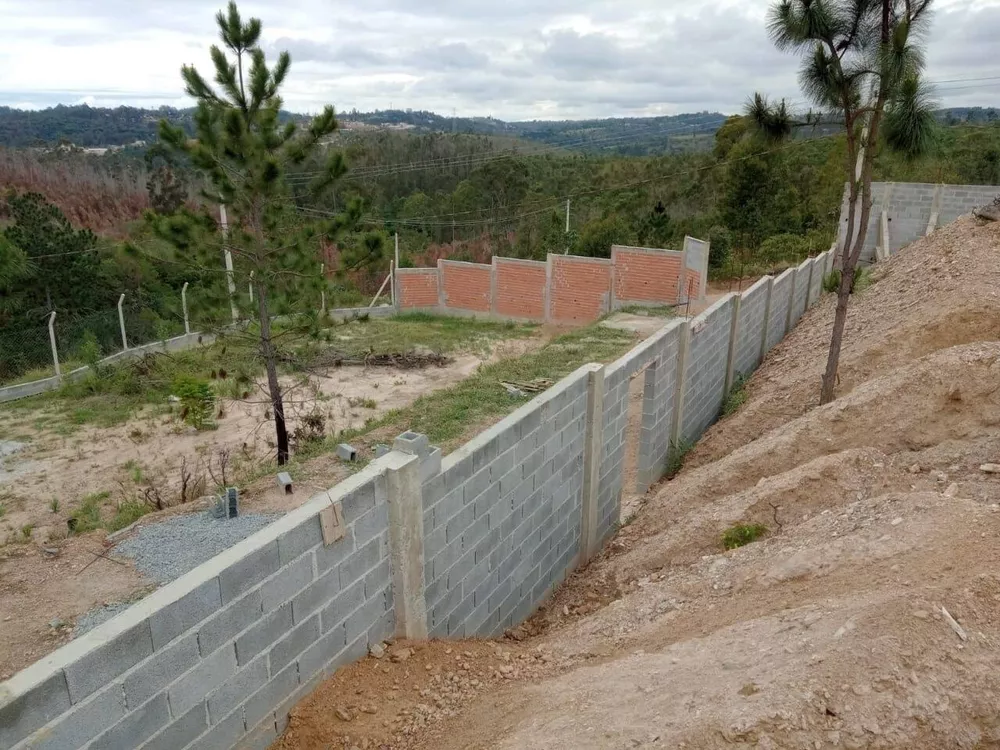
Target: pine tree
[(862, 62), (244, 150)]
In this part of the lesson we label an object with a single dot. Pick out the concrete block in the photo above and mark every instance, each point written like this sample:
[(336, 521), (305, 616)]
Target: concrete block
[(182, 615), (371, 525), (340, 608), (475, 532), (315, 596), (136, 727), (89, 719), (32, 709), (288, 648), (314, 659), (485, 454), (355, 504), (223, 736), (286, 583), (263, 703), (99, 666), (458, 616), (330, 557), (285, 482), (359, 622), (430, 464), (225, 626), (378, 578), (260, 737), (239, 578), (207, 675), (181, 731), (412, 443), (261, 636), (295, 543), (346, 452), (356, 565), (448, 507), (501, 465), (161, 669), (234, 691), (477, 484), (460, 522)]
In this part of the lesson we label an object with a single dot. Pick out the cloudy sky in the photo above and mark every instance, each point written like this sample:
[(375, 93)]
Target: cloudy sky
[(514, 59)]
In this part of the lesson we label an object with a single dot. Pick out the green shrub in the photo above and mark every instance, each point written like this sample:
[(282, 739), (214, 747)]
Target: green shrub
[(721, 247), (741, 535), (90, 351), (737, 396), (197, 400), (675, 458), (784, 248), (862, 280), (88, 516), (128, 513)]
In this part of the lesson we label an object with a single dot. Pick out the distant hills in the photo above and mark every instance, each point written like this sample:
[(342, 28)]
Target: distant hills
[(96, 127)]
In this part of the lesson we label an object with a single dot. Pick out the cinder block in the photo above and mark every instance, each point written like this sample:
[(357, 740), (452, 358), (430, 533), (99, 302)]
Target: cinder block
[(315, 595), (449, 506), (136, 727), (484, 455), (475, 532), (21, 716), (314, 659), (263, 703), (182, 615), (439, 614), (181, 731), (412, 443), (234, 691), (377, 579), (460, 522), (355, 566), (476, 485), (372, 524), (340, 608), (359, 502), (242, 576), (289, 580), (223, 736), (501, 465), (224, 627), (88, 719), (162, 668), (359, 622), (295, 543), (298, 640), (100, 666), (194, 686), (262, 635), (456, 620), (336, 553)]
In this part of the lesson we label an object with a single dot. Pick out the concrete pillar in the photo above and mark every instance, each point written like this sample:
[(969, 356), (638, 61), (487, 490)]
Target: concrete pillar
[(121, 321), (683, 345), (592, 454), (52, 342), (791, 300), (184, 306), (734, 335), (767, 318), (406, 544)]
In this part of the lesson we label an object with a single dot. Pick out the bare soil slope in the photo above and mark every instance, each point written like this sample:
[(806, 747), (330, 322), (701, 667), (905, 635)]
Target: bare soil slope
[(868, 616)]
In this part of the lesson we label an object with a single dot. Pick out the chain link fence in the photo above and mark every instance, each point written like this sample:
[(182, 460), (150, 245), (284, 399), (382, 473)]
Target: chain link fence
[(25, 354)]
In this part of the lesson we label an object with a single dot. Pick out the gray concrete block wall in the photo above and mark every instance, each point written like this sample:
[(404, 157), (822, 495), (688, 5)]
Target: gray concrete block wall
[(780, 300), (502, 519), (910, 206), (800, 295), (658, 356), (751, 327), (705, 377), (816, 288), (222, 653)]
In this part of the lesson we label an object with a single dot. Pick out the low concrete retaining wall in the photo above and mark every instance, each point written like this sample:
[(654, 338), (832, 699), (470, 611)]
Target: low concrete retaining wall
[(35, 387), (413, 545)]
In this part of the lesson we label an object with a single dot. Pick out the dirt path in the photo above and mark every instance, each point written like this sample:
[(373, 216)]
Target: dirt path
[(868, 615)]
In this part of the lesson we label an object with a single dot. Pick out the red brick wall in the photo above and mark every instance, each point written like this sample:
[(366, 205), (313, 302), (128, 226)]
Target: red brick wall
[(418, 287), (580, 289), (647, 275), (467, 286), (520, 291)]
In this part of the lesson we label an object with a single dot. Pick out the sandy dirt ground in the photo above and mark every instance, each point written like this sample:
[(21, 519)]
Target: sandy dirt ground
[(868, 614), (47, 579)]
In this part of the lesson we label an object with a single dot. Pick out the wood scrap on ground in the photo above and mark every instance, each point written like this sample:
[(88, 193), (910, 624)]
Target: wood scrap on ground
[(402, 360), (533, 386)]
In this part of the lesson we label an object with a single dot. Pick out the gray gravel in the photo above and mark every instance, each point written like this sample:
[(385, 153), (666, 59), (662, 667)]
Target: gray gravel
[(98, 616), (167, 550)]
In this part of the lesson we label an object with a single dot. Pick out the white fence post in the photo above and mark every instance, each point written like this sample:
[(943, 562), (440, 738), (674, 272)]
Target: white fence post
[(121, 321), (322, 292), (251, 287), (184, 306), (52, 341)]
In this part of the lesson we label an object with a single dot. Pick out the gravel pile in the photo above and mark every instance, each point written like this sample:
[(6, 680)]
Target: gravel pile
[(167, 550)]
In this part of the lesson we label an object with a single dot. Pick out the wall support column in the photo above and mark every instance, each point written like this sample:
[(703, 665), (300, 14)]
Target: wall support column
[(406, 544), (592, 454)]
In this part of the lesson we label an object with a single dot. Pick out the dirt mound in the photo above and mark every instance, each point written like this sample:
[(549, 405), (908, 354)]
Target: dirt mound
[(866, 614), (940, 292)]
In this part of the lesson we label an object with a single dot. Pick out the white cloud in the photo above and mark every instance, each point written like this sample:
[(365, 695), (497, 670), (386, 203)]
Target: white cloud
[(515, 59)]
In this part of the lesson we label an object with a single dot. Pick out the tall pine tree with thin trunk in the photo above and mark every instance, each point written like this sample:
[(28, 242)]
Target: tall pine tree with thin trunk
[(862, 62), (243, 150)]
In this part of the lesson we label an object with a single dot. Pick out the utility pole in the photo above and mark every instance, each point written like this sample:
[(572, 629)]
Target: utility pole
[(224, 219), (397, 249)]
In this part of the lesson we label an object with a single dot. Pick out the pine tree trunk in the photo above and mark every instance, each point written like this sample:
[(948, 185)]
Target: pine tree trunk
[(271, 366)]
